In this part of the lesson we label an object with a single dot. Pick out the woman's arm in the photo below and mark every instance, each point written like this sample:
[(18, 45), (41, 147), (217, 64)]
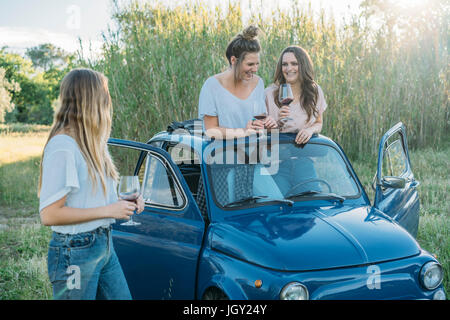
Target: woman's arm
[(305, 134), (213, 129), (58, 214)]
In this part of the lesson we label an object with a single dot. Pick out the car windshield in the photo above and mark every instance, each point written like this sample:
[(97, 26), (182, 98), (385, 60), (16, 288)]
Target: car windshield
[(283, 172)]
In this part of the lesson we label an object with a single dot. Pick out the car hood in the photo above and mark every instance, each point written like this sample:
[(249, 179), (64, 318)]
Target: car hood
[(310, 239)]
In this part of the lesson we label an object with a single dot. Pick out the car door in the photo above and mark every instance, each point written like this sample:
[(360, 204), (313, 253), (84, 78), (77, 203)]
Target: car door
[(396, 189), (159, 257)]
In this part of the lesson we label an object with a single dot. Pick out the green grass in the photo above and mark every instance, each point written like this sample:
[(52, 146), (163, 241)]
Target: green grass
[(24, 241), (23, 260)]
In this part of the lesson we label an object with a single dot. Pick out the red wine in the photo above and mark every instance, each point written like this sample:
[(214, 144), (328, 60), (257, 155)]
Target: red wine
[(129, 196), (286, 101), (260, 117)]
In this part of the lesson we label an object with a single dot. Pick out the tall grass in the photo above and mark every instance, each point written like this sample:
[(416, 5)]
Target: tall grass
[(159, 58)]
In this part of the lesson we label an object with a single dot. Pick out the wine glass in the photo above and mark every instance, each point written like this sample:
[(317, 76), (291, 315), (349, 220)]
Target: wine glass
[(129, 189), (257, 114), (285, 97)]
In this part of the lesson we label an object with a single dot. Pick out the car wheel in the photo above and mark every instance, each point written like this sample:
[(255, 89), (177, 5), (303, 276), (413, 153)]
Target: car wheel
[(215, 294)]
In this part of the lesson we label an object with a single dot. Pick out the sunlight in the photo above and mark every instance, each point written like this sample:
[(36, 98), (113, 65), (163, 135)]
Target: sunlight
[(409, 3), (16, 147)]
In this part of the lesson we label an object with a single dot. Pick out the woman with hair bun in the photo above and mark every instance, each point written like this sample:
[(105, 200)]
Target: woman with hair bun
[(229, 100)]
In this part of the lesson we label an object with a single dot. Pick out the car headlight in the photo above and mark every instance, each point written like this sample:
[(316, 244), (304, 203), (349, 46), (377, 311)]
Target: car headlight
[(431, 275), (439, 295), (294, 291)]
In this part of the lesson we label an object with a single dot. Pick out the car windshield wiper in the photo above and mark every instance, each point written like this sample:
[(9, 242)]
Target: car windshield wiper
[(244, 200), (289, 202), (317, 193)]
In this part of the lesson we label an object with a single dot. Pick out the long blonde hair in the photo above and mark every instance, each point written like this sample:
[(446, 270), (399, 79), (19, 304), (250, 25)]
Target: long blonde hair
[(85, 114)]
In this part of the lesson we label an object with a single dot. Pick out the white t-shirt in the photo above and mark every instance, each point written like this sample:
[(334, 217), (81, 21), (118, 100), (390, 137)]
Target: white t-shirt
[(65, 172), (231, 111)]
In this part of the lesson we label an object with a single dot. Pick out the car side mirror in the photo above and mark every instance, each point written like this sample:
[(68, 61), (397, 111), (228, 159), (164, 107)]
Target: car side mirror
[(393, 182)]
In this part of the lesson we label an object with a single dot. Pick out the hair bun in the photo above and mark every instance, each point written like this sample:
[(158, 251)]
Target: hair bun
[(250, 33)]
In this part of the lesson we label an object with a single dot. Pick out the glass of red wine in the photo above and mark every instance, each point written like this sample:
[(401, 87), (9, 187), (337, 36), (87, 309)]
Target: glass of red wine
[(130, 190), (285, 97), (257, 114)]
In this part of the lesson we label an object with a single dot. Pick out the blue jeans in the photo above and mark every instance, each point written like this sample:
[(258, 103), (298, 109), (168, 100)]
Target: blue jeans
[(294, 172), (85, 266)]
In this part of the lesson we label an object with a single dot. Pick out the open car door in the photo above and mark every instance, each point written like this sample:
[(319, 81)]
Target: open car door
[(159, 256), (395, 189)]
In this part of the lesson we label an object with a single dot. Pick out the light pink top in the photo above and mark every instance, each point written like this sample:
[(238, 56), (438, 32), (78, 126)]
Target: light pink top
[(297, 113)]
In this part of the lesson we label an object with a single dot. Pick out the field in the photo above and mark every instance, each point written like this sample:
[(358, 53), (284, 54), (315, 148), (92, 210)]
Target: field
[(23, 240)]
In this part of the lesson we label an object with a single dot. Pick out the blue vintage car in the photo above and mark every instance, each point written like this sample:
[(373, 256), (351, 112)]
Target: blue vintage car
[(263, 218)]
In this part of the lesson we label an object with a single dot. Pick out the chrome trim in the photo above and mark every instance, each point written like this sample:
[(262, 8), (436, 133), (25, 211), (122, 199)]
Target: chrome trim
[(424, 269)]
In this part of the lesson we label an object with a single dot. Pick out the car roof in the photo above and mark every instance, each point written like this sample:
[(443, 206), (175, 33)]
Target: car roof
[(199, 141)]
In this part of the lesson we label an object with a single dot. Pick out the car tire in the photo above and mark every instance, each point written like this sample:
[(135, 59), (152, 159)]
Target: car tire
[(214, 293)]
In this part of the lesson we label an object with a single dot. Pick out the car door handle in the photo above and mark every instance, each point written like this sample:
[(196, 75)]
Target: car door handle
[(414, 183)]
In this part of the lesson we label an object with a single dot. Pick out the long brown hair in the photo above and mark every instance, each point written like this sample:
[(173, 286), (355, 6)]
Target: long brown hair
[(85, 114), (308, 87), (243, 43)]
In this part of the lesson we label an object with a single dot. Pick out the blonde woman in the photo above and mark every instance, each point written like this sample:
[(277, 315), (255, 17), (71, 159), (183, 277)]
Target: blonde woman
[(77, 191)]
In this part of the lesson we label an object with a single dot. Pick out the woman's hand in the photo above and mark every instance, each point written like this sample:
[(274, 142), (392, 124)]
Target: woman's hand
[(140, 204), (284, 112), (254, 126), (270, 123), (122, 209), (303, 136)]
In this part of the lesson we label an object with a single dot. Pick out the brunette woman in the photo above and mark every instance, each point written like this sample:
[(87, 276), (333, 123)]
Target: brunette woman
[(306, 110)]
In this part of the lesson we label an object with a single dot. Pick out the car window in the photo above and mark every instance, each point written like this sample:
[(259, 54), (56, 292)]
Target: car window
[(182, 154), (394, 158), (287, 170), (188, 162), (128, 161), (160, 187)]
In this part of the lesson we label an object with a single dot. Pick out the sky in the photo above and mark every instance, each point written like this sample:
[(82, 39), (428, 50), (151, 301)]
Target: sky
[(28, 23)]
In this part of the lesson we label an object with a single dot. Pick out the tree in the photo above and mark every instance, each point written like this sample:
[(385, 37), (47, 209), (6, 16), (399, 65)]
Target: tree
[(47, 56), (6, 105), (33, 97), (54, 62)]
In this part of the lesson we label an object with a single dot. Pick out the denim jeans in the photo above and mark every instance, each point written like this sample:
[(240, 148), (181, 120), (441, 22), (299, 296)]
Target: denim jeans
[(293, 174), (85, 266)]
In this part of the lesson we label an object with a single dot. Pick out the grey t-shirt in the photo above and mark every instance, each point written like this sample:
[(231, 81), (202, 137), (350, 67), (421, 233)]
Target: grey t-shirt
[(232, 112)]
